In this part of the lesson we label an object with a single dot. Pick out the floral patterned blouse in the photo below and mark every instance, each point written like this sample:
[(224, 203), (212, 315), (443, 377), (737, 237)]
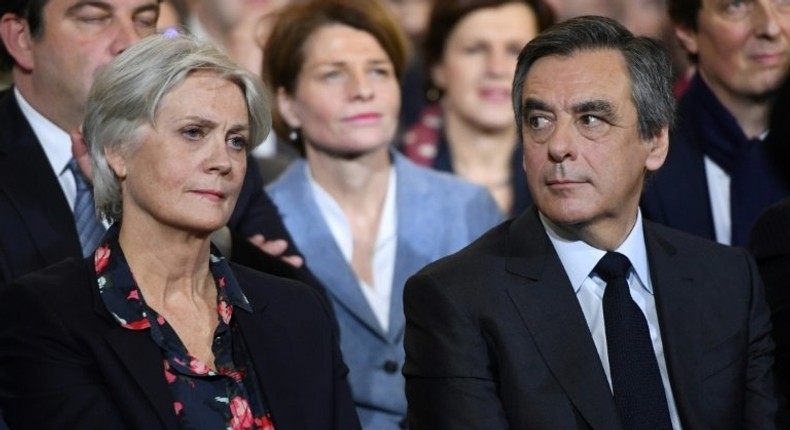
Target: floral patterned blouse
[(229, 398)]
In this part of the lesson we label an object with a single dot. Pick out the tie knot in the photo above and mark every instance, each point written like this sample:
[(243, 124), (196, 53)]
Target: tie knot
[(613, 265)]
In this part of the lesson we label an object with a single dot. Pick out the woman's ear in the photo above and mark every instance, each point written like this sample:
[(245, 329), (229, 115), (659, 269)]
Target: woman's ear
[(117, 162), (288, 109)]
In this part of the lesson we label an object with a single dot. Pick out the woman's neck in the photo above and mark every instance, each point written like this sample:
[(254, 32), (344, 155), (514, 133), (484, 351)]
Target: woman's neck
[(358, 183), (166, 263), (483, 157)]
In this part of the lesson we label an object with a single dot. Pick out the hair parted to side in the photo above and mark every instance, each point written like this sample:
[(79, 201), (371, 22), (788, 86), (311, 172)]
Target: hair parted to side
[(446, 14), (127, 93), (648, 63), (284, 55)]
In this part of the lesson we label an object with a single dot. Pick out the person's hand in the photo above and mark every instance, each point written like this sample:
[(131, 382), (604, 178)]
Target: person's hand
[(80, 152), (276, 248)]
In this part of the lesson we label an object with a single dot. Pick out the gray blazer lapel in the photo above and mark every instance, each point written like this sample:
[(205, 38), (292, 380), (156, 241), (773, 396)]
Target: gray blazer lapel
[(322, 255), (548, 307), (679, 306)]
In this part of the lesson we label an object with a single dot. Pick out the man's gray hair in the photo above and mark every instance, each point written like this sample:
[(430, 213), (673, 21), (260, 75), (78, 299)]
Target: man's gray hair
[(647, 61), (126, 95)]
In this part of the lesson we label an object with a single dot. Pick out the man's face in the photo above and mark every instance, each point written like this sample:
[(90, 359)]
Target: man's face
[(566, 9), (583, 155), (742, 46), (79, 38), (228, 14)]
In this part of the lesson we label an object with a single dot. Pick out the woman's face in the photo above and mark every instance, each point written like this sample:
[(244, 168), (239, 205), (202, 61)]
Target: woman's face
[(188, 170), (347, 96), (479, 60)]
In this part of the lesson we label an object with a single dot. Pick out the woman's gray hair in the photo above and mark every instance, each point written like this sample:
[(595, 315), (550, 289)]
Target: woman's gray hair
[(126, 96)]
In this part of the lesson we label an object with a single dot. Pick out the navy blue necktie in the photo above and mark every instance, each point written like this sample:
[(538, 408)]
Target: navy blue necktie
[(636, 379), (89, 227)]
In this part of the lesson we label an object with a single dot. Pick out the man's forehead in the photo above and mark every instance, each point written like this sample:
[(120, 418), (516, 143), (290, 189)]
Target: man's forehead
[(109, 4), (577, 79)]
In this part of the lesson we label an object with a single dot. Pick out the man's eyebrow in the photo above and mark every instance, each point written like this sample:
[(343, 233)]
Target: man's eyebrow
[(154, 7), (531, 104), (82, 4), (599, 106)]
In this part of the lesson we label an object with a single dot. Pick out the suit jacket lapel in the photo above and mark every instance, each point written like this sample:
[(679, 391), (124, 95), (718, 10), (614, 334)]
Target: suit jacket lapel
[(142, 358), (27, 180), (678, 304), (261, 334), (417, 239), (322, 255), (549, 308)]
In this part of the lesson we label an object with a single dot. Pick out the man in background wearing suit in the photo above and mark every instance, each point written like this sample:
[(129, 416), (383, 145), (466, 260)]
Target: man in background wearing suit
[(718, 177), (579, 313), (54, 49)]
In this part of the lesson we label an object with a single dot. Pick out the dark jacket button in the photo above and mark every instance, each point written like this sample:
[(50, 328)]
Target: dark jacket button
[(390, 366)]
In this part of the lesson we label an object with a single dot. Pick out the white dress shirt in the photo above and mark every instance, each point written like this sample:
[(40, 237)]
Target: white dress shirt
[(579, 259), (56, 144), (379, 294)]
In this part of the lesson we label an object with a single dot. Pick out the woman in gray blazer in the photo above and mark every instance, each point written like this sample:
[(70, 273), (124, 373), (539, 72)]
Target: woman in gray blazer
[(364, 217)]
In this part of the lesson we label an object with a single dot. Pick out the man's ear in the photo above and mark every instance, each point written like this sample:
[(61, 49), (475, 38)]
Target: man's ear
[(687, 38), (18, 41), (287, 108), (79, 150), (659, 148)]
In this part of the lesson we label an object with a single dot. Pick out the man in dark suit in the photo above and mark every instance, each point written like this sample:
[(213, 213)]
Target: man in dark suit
[(718, 176), (54, 49), (579, 313)]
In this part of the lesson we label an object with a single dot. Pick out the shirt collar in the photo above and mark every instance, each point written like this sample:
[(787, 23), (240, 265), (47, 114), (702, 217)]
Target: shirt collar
[(579, 259), (55, 142), (122, 296)]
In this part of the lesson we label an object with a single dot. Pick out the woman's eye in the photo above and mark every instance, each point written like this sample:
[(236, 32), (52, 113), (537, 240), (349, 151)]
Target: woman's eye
[(192, 133), (238, 142)]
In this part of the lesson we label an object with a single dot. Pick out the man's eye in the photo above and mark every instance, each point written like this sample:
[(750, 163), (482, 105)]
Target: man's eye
[(538, 122), (591, 120), (93, 19)]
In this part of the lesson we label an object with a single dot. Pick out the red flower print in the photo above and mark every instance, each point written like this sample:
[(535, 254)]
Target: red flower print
[(235, 375), (264, 423), (133, 295), (169, 376), (197, 366), (242, 416), (178, 406), (225, 311), (160, 320), (222, 282), (140, 324), (101, 258)]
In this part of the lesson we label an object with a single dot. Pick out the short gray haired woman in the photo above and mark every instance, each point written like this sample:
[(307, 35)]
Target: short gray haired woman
[(156, 329)]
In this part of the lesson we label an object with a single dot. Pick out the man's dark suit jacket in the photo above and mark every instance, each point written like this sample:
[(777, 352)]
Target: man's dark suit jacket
[(37, 226), (496, 339), (770, 245), (65, 363)]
